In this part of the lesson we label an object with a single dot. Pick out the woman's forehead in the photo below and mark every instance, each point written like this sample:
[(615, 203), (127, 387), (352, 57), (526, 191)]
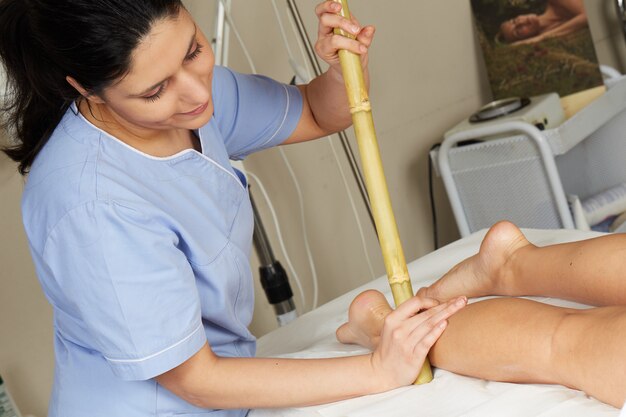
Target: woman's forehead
[(160, 53)]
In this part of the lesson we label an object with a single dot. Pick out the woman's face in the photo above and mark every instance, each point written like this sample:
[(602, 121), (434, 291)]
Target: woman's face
[(169, 82), (520, 27)]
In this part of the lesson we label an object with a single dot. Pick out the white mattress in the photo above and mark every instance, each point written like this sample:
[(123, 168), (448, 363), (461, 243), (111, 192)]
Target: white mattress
[(313, 335)]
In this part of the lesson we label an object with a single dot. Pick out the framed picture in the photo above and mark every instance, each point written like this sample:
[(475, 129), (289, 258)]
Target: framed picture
[(534, 47)]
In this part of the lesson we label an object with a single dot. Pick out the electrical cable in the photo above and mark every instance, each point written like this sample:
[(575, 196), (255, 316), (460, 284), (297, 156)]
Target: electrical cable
[(330, 141), (304, 229), (231, 22), (305, 76), (280, 237), (345, 143), (307, 64), (300, 72)]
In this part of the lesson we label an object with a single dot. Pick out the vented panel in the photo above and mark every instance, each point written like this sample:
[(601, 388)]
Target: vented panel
[(503, 179)]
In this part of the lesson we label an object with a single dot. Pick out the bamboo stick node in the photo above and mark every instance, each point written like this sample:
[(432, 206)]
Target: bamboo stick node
[(363, 107)]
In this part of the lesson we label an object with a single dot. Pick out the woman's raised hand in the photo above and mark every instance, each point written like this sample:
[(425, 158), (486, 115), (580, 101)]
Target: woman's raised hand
[(328, 44)]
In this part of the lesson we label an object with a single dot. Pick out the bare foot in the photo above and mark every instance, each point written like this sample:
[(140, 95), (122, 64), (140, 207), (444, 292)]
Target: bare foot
[(365, 319), (487, 272)]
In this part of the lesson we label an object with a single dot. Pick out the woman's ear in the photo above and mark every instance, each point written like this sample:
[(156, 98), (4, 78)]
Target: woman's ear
[(91, 97)]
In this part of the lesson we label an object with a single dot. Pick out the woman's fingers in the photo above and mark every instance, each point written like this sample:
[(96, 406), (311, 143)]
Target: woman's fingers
[(409, 318), (330, 22), (430, 324), (329, 47), (408, 334), (328, 43), (414, 305), (366, 36)]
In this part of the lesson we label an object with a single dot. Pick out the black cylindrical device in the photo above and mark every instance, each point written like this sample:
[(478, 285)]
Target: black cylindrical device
[(274, 279)]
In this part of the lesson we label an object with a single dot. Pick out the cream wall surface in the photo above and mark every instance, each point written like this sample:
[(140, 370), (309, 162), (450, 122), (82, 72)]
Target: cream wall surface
[(426, 75)]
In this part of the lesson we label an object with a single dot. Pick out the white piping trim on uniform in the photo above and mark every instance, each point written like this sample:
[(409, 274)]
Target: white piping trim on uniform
[(158, 158), (154, 354), (282, 123), (216, 164)]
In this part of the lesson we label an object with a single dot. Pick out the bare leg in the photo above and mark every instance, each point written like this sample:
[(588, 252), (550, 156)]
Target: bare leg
[(591, 271), (518, 340)]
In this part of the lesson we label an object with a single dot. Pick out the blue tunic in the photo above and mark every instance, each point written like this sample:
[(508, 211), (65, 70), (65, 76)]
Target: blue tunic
[(145, 259)]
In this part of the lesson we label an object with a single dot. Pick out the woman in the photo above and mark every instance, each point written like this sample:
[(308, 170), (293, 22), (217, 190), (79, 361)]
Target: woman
[(561, 17), (518, 340), (139, 227)]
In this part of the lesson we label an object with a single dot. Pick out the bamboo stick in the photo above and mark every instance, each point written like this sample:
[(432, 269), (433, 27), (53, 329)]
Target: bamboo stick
[(360, 107)]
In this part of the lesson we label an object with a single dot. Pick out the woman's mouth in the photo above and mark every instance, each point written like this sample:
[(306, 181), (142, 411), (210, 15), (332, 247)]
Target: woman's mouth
[(197, 111)]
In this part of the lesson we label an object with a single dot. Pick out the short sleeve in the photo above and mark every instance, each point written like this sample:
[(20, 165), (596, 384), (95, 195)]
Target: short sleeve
[(126, 283), (254, 112)]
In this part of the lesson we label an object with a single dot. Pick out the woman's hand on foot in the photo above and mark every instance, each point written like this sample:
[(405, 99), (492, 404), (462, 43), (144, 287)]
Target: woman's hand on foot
[(408, 334)]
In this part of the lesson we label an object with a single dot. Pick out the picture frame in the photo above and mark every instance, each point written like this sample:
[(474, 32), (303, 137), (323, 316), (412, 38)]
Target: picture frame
[(535, 47)]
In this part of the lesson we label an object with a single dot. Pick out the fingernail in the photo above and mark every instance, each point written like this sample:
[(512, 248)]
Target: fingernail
[(363, 49), (443, 324), (461, 301), (336, 6), (355, 29)]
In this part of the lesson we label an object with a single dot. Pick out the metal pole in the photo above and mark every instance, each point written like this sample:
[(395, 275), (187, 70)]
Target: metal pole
[(218, 38), (358, 176), (274, 279)]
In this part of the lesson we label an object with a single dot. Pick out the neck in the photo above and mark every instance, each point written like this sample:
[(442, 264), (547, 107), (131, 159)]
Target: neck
[(154, 142)]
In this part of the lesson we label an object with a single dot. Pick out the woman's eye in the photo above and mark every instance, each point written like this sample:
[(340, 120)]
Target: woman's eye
[(154, 97), (195, 53)]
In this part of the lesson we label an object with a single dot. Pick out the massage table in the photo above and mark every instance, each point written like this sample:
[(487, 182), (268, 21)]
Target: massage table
[(313, 336)]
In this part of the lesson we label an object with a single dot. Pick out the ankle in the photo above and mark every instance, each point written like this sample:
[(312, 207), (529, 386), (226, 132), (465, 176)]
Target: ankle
[(511, 276)]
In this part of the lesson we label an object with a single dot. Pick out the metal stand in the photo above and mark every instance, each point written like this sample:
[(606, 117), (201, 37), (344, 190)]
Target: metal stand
[(274, 279), (621, 10)]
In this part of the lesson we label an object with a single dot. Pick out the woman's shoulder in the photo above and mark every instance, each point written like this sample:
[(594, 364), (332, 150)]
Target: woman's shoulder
[(68, 154), (63, 176)]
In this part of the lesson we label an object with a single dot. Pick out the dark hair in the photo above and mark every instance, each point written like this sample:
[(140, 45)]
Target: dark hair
[(43, 41)]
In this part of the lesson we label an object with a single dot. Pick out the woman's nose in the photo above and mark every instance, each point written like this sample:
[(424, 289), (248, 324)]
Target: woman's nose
[(193, 89)]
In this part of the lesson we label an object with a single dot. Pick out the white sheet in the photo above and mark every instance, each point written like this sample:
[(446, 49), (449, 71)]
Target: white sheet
[(313, 335)]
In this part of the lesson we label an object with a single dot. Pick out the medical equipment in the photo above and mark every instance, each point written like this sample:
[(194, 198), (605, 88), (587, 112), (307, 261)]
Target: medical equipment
[(7, 406), (360, 107), (273, 276), (527, 175), (313, 336), (543, 112)]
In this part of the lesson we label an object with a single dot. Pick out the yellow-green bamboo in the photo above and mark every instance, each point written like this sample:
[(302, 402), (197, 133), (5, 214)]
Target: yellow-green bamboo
[(360, 107)]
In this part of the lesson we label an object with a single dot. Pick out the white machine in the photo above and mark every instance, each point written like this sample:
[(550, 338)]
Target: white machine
[(525, 163), (543, 112), (505, 149)]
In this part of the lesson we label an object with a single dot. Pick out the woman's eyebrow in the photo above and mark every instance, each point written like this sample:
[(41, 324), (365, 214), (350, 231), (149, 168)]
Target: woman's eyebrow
[(149, 89)]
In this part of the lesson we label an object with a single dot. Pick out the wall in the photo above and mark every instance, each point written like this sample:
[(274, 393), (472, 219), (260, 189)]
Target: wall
[(426, 76), (26, 356)]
